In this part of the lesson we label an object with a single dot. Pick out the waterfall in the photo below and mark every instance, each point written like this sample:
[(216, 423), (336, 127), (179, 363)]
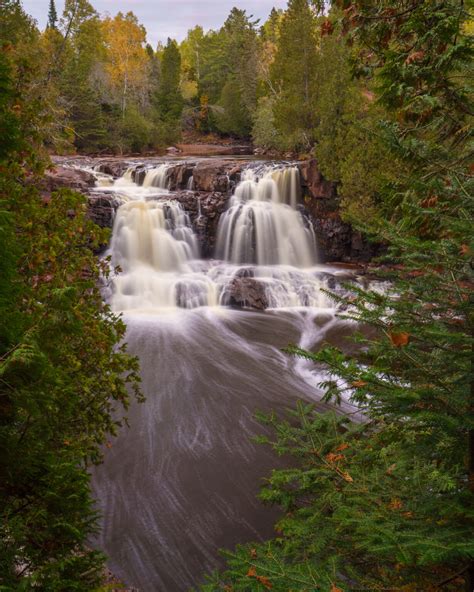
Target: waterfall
[(263, 236), (157, 177), (153, 244), (263, 225)]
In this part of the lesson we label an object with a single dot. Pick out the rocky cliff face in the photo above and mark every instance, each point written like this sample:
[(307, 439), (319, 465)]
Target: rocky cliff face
[(338, 241), (203, 187)]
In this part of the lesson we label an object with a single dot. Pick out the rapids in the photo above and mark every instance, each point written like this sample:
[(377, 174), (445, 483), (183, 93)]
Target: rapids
[(181, 482)]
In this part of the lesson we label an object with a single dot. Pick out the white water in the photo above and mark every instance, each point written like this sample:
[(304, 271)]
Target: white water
[(181, 483), (263, 225)]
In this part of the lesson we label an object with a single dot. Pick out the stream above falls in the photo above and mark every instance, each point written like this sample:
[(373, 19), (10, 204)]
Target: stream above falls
[(181, 482)]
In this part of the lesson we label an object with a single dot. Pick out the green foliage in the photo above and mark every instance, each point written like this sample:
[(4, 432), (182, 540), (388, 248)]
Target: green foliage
[(234, 118), (65, 375), (264, 132), (294, 76), (169, 99)]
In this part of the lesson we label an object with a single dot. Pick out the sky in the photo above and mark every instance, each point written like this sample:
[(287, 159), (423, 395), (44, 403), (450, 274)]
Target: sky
[(166, 18)]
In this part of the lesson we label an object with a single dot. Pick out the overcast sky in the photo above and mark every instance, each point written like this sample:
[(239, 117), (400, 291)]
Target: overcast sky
[(166, 18)]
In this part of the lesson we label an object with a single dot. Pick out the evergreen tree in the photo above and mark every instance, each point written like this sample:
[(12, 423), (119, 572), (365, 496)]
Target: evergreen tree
[(52, 15), (239, 93), (168, 100), (293, 75)]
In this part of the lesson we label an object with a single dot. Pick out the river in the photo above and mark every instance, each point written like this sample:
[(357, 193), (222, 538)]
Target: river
[(181, 481)]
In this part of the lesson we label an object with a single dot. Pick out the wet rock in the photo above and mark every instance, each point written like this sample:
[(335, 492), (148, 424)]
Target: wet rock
[(138, 175), (204, 210), (114, 167), (61, 177), (179, 175), (101, 209), (246, 292), (211, 176)]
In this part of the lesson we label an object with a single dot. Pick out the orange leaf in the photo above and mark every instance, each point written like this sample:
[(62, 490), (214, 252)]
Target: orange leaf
[(264, 581), (332, 458), (415, 56), (399, 339), (334, 588), (359, 383), (342, 447), (465, 250), (429, 202), (252, 572)]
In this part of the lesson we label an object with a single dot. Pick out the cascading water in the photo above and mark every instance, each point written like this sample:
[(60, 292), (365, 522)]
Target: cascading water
[(182, 482), (263, 226), (156, 177)]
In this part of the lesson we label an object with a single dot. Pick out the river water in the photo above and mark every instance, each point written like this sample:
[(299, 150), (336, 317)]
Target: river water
[(181, 482)]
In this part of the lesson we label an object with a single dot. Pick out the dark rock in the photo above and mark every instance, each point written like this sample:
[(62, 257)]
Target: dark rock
[(101, 209), (179, 175), (114, 167), (246, 292), (211, 176), (337, 240), (138, 175), (204, 210), (313, 180)]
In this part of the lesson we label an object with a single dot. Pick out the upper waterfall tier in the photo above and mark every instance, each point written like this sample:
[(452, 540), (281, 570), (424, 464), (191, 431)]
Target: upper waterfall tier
[(263, 224)]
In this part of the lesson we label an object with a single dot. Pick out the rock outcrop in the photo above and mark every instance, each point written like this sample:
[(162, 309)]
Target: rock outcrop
[(62, 176), (246, 292), (101, 209), (337, 240), (204, 210), (203, 187), (219, 176)]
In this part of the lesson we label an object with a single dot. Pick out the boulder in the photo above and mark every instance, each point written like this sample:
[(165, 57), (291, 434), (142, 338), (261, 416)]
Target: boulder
[(246, 292), (215, 176)]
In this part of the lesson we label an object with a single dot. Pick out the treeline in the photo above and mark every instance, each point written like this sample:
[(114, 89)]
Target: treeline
[(288, 84)]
